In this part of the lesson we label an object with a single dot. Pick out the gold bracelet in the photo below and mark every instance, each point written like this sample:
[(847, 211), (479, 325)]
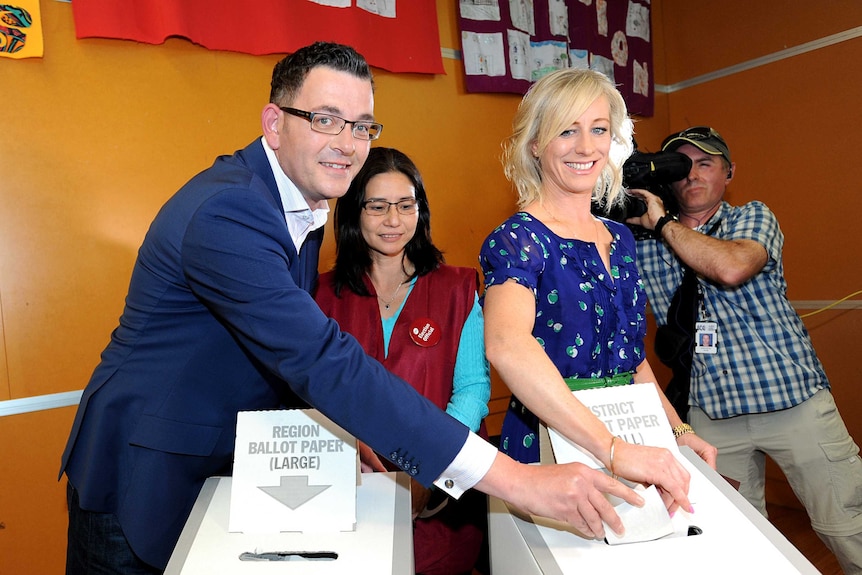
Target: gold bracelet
[(682, 430), (611, 463)]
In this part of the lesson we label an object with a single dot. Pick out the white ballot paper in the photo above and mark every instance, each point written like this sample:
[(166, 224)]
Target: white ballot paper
[(722, 520), (642, 523), (635, 414), (294, 470)]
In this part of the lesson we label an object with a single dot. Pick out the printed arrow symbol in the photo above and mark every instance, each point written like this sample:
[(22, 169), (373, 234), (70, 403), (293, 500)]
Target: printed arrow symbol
[(293, 491)]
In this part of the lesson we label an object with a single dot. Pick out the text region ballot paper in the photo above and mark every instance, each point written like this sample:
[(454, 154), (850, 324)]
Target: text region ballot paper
[(294, 470)]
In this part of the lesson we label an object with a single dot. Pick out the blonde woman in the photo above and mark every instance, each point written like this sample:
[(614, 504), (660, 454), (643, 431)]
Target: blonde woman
[(564, 304)]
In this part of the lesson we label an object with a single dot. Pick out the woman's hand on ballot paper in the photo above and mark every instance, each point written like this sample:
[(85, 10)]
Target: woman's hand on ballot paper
[(570, 492), (654, 466)]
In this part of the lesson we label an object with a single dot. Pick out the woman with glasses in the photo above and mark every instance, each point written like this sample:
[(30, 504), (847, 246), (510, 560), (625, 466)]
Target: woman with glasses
[(420, 318), (564, 305)]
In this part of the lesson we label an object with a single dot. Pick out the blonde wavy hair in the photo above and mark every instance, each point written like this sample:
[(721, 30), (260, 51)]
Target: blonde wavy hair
[(550, 106)]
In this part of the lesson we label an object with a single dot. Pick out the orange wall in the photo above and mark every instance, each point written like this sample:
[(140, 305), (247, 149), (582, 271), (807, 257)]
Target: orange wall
[(794, 127), (99, 133)]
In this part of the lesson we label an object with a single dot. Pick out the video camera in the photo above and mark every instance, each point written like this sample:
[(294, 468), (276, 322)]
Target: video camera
[(653, 172)]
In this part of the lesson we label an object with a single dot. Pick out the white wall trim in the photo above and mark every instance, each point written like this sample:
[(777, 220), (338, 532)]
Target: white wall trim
[(763, 60), (850, 34), (39, 402)]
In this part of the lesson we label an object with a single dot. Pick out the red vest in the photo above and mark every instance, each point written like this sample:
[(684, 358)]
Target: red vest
[(440, 301)]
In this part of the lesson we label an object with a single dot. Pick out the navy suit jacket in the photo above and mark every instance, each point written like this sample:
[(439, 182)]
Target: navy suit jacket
[(218, 319)]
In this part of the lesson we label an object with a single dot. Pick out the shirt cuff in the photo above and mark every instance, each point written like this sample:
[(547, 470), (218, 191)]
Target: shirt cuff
[(469, 466)]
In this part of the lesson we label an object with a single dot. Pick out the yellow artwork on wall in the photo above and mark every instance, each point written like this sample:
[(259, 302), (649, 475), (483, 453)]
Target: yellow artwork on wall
[(21, 30)]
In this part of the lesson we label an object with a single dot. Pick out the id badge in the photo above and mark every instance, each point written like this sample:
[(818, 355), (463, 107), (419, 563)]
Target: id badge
[(706, 337)]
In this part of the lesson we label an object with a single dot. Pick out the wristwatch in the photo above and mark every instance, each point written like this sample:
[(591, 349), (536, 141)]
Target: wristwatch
[(682, 429), (662, 222)]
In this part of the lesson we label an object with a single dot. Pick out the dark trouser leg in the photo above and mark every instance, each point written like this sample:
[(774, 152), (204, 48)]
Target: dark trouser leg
[(96, 544)]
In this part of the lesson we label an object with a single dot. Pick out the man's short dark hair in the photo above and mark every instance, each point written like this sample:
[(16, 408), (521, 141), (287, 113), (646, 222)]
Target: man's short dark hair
[(289, 74)]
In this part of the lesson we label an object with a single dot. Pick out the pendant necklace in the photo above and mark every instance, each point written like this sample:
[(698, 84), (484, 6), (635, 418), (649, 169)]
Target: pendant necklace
[(388, 303)]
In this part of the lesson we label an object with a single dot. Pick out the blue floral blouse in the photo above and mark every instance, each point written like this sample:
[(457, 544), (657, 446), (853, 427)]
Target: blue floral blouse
[(589, 321)]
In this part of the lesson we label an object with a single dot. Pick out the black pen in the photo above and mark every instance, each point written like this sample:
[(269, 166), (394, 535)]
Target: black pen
[(289, 556)]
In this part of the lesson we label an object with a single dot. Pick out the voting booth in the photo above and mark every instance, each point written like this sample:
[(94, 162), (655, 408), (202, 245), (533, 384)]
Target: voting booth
[(725, 534), (296, 496)]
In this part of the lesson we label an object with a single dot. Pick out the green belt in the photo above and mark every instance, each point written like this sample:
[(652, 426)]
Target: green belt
[(579, 383)]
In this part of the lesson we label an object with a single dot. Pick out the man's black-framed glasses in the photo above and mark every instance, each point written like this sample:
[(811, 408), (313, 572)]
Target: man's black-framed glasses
[(381, 207), (333, 125)]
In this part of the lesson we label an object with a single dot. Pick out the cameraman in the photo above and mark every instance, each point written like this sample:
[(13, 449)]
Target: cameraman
[(758, 388)]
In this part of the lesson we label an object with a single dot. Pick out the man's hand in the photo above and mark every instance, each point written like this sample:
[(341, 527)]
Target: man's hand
[(654, 209), (572, 492)]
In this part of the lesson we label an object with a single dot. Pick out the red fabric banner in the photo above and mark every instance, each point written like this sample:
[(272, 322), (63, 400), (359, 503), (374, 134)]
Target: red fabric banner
[(408, 42)]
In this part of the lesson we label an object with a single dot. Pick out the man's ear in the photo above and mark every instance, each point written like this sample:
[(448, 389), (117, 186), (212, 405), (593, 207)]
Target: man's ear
[(730, 172), (270, 119)]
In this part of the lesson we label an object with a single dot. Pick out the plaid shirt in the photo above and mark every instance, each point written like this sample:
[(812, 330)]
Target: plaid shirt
[(765, 360)]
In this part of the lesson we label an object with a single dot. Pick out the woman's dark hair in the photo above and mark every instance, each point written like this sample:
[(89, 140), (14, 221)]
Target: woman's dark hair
[(352, 257)]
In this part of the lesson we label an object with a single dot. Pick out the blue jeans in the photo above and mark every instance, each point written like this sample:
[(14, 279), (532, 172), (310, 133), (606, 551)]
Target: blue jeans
[(96, 544)]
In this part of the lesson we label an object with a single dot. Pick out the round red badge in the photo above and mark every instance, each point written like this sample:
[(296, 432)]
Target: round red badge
[(425, 332)]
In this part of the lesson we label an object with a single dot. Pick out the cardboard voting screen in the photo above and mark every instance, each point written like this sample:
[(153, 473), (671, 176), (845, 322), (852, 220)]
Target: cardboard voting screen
[(632, 412), (382, 542), (294, 470), (635, 414)]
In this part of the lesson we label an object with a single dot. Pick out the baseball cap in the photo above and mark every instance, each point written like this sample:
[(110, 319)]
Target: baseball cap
[(702, 137)]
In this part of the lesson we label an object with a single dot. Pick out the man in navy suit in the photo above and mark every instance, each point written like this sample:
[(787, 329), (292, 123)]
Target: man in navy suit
[(218, 319)]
